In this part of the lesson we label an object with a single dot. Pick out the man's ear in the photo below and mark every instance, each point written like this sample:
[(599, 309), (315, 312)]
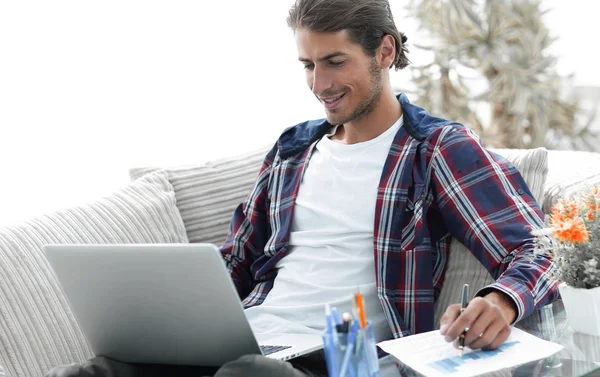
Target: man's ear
[(387, 51)]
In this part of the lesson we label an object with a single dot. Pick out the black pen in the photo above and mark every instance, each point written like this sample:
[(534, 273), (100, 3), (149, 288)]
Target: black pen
[(464, 302)]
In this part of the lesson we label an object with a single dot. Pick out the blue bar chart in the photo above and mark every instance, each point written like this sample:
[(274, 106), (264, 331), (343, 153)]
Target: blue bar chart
[(431, 355), (452, 364)]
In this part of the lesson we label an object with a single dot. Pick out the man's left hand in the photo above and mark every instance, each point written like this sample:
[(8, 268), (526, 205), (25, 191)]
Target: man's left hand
[(487, 319)]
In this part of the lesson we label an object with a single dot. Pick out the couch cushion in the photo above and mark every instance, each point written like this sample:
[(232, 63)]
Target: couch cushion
[(462, 266), (37, 328), (570, 173), (208, 194)]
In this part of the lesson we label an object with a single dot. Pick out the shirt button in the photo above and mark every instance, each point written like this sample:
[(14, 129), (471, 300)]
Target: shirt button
[(521, 192)]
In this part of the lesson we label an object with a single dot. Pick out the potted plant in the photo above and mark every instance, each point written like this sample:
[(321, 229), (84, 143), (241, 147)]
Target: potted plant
[(573, 238)]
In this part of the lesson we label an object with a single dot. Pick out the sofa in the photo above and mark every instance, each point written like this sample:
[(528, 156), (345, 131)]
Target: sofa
[(189, 204)]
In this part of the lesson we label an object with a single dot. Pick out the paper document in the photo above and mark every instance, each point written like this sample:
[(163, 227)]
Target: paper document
[(429, 354)]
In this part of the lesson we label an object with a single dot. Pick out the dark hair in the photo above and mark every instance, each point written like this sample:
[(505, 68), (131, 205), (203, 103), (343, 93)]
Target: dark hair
[(367, 22)]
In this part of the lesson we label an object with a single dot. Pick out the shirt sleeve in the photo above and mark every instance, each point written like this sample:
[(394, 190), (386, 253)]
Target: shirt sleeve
[(249, 231), (486, 205)]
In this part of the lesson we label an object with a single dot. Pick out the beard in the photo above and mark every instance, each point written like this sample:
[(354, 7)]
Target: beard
[(368, 104)]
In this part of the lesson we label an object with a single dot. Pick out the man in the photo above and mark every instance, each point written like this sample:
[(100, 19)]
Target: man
[(371, 197)]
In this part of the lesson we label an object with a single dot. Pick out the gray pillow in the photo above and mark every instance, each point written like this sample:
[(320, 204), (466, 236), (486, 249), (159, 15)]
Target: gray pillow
[(208, 194), (570, 173), (37, 328)]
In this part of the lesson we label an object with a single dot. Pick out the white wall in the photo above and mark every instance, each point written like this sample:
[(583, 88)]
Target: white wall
[(90, 89)]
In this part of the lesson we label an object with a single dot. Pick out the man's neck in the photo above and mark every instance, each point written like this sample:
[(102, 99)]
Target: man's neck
[(380, 119)]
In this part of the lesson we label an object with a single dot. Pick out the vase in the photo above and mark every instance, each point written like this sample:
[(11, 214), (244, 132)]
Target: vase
[(583, 308)]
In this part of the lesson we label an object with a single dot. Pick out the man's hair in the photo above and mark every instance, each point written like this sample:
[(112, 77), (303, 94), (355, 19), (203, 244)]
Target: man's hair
[(366, 21)]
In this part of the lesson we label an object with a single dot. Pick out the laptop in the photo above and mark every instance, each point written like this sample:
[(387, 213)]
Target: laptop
[(164, 304)]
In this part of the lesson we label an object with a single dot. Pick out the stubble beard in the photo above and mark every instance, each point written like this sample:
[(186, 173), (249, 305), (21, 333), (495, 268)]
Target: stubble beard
[(369, 104)]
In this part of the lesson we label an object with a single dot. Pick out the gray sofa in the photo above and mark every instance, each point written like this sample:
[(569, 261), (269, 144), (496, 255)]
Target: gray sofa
[(180, 205)]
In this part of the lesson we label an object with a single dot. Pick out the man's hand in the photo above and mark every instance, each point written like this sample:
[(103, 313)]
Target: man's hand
[(487, 319)]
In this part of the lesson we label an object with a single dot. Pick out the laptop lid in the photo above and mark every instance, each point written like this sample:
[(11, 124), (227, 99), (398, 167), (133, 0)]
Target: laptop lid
[(154, 303)]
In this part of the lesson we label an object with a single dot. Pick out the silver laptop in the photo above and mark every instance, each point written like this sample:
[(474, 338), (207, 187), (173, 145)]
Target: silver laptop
[(163, 303)]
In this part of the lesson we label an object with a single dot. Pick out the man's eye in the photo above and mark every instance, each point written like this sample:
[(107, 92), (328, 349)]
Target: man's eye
[(337, 64), (309, 66)]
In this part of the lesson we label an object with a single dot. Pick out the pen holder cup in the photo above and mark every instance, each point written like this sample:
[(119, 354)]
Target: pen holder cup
[(351, 360)]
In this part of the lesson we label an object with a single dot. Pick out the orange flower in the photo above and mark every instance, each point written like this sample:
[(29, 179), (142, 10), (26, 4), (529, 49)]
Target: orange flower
[(564, 210), (590, 216), (570, 230), (592, 199)]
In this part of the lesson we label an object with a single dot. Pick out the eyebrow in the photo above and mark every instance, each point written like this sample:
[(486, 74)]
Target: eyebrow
[(326, 57)]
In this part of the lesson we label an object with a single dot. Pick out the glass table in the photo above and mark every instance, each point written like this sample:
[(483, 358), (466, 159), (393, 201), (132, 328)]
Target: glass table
[(579, 358)]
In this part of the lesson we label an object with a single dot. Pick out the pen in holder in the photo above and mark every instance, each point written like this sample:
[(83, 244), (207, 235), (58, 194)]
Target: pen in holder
[(349, 349)]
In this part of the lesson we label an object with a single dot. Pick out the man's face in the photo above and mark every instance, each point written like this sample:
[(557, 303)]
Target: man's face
[(344, 79)]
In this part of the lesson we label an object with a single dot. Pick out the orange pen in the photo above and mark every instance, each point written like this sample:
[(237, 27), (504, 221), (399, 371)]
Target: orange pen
[(361, 309)]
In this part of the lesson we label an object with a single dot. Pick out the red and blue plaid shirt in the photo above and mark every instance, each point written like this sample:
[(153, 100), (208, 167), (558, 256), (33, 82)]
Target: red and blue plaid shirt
[(438, 182)]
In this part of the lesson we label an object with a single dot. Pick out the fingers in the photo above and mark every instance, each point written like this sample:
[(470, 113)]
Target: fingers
[(466, 319), (501, 337), (480, 326), (449, 317), (486, 337), (485, 325)]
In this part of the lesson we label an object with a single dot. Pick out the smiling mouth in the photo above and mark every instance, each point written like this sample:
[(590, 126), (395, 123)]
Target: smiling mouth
[(332, 103)]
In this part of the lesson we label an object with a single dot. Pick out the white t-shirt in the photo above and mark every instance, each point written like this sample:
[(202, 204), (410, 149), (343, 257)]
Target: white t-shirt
[(331, 251)]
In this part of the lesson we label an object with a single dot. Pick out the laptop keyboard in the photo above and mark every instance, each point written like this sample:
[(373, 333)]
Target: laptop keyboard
[(267, 350)]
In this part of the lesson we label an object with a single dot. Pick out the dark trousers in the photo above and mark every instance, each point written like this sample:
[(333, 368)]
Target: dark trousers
[(312, 365)]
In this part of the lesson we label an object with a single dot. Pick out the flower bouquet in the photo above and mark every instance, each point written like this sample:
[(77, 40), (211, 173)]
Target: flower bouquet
[(573, 238)]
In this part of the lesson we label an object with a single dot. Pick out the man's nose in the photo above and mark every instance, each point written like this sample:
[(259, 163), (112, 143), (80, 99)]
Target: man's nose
[(320, 82)]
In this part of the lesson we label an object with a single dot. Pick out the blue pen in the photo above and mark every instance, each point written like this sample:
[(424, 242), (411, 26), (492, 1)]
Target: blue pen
[(328, 320), (336, 316), (331, 343), (370, 352), (349, 348)]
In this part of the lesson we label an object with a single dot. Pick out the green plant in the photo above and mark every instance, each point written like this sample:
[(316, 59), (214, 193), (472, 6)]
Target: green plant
[(573, 238), (492, 55)]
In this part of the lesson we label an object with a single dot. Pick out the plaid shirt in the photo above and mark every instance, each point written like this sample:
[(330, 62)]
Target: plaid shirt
[(438, 182)]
